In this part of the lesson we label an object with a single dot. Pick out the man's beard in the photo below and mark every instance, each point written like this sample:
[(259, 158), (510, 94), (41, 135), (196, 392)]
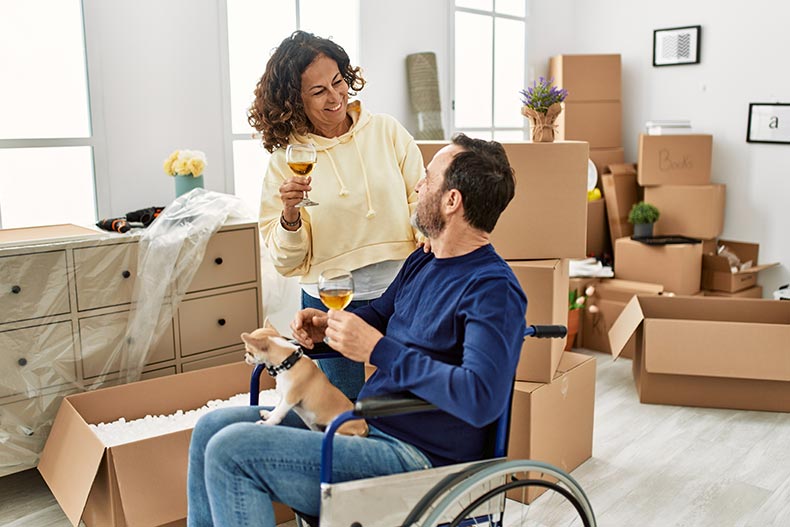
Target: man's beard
[(428, 216)]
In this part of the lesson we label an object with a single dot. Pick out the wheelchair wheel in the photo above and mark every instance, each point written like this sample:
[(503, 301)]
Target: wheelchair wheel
[(478, 496)]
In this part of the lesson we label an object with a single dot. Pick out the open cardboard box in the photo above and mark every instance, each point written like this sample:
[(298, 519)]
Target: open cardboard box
[(553, 422), (142, 483), (706, 351), (716, 273)]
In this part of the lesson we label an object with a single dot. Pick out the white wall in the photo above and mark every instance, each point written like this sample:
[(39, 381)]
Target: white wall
[(160, 88), (743, 60)]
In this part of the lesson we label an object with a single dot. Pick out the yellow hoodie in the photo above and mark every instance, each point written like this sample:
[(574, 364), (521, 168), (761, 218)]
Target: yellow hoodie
[(364, 183)]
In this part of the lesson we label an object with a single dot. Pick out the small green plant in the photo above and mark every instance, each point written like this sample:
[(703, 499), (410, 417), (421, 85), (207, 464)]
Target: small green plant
[(643, 213), (575, 301), (542, 94)]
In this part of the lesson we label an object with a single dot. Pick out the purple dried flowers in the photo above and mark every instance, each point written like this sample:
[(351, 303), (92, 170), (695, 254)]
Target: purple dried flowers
[(542, 94)]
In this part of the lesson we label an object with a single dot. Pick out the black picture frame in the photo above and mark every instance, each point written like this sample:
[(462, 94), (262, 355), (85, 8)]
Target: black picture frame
[(769, 122), (677, 46)]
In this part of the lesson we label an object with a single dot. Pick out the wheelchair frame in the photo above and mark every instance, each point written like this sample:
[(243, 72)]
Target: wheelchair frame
[(432, 508)]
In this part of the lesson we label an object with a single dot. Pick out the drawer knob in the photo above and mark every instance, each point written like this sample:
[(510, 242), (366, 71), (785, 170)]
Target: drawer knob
[(22, 361), (16, 289), (218, 260), (126, 274), (221, 322)]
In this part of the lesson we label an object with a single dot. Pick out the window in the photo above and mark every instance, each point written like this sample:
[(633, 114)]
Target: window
[(254, 29), (46, 144), (489, 68)]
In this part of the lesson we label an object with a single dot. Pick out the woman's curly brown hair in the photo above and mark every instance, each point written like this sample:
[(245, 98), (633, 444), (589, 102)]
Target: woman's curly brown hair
[(278, 109)]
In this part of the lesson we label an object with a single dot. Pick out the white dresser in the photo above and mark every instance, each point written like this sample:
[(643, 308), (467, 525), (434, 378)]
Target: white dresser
[(65, 295)]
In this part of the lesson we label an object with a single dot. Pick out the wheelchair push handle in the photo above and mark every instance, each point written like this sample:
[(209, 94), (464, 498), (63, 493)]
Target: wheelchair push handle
[(546, 332)]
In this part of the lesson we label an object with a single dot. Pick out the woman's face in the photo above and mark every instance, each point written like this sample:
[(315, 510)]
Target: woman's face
[(325, 97)]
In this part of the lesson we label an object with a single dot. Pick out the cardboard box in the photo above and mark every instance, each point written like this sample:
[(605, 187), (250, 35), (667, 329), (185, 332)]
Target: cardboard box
[(712, 352), (142, 483), (709, 246), (587, 77), (674, 159), (610, 297), (716, 273), (545, 283), (547, 218), (597, 229), (675, 266), (603, 157), (696, 211), (621, 191), (553, 422), (598, 123), (752, 292)]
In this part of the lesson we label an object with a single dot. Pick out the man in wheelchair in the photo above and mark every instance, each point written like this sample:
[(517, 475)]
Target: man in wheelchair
[(448, 330)]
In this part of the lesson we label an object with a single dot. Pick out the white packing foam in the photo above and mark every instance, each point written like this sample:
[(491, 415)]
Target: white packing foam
[(122, 431)]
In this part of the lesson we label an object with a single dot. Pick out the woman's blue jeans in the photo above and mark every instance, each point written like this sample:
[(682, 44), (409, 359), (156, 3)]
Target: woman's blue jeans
[(237, 467), (347, 375)]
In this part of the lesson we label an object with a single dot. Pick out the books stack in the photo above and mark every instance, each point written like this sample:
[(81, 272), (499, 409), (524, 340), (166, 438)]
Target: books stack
[(670, 127)]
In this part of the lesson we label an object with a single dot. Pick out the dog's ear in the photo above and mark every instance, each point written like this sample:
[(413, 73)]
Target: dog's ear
[(267, 324), (245, 337)]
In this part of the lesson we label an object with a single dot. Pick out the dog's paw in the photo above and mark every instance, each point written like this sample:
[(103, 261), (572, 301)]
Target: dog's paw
[(265, 414)]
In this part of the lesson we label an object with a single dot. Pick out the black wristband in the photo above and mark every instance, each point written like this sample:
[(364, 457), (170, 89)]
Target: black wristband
[(287, 223)]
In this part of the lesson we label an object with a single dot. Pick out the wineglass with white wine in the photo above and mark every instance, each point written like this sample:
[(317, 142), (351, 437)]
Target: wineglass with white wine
[(336, 288), (301, 159)]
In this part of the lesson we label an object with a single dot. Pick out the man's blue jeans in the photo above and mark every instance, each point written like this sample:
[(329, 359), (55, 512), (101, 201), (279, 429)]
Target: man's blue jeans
[(347, 375), (237, 468)]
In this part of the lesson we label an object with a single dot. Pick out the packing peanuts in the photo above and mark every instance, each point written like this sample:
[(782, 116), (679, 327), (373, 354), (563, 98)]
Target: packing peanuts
[(142, 483), (705, 351), (547, 218), (553, 422)]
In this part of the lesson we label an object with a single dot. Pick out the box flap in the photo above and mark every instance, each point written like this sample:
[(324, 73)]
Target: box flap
[(706, 348), (70, 460), (620, 168), (625, 325), (153, 492)]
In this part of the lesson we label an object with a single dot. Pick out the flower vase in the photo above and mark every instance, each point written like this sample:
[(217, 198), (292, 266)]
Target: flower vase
[(542, 124), (574, 316), (186, 183)]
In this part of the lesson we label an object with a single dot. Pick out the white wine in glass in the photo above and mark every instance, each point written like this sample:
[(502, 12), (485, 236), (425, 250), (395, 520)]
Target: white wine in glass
[(301, 159), (336, 288)]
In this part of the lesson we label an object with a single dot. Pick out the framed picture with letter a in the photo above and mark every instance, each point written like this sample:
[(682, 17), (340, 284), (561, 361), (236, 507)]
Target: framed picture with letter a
[(677, 45), (769, 122)]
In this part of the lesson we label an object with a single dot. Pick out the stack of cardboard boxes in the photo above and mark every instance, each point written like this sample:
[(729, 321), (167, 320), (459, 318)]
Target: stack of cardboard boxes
[(592, 112), (542, 228)]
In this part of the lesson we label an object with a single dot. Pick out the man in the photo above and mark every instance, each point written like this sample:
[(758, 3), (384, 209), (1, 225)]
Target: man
[(448, 329)]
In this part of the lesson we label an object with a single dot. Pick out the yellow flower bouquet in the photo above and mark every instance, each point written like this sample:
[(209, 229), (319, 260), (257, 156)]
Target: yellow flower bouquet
[(185, 163)]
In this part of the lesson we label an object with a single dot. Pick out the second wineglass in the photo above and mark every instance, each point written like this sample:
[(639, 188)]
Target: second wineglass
[(301, 158), (336, 288)]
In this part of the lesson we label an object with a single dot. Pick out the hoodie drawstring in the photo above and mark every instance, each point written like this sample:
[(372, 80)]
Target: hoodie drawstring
[(371, 212), (343, 189)]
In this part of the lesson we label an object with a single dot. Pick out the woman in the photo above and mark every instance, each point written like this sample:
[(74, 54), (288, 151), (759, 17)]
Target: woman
[(364, 180)]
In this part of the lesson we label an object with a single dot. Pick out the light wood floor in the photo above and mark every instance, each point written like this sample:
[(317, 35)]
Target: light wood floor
[(652, 466)]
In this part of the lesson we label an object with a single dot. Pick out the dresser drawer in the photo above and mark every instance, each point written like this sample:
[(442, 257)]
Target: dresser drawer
[(210, 362), (102, 343), (105, 275), (33, 286), (230, 259), (36, 358), (215, 322)]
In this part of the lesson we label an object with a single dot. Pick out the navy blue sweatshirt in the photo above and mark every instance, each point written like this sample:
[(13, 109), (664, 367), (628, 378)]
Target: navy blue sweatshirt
[(453, 329)]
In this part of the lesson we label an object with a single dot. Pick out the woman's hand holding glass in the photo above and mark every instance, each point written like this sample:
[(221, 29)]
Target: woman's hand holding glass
[(301, 158)]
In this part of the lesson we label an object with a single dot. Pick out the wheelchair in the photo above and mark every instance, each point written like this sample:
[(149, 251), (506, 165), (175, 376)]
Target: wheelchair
[(460, 495)]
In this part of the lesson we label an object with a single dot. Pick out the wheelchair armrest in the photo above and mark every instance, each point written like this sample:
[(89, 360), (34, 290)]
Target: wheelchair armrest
[(391, 404)]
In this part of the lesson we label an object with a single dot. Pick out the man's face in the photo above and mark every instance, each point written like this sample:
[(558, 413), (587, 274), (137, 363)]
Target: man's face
[(428, 217)]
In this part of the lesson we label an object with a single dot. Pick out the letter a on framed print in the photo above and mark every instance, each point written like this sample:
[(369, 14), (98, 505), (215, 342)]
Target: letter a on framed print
[(768, 123)]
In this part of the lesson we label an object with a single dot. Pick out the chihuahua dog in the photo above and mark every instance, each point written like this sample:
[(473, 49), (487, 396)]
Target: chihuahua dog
[(299, 383)]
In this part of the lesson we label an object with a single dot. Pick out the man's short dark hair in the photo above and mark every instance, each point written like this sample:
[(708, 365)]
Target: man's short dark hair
[(484, 177)]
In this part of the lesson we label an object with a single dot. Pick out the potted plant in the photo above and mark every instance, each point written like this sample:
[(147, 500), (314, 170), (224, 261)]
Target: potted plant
[(541, 107), (643, 216)]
